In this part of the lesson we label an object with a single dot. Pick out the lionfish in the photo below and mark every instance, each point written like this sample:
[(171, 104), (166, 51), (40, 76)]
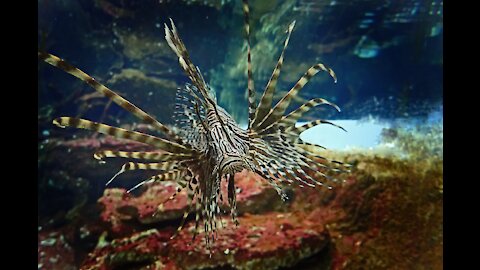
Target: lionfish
[(208, 146)]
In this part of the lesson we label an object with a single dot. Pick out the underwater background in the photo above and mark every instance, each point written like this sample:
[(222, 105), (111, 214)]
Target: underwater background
[(388, 57)]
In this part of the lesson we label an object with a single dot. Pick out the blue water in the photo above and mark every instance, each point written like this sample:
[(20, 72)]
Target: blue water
[(387, 54)]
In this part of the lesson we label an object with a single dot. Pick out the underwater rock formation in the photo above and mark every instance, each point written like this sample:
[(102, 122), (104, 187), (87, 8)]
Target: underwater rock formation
[(54, 252), (267, 241), (390, 214), (387, 214), (153, 206)]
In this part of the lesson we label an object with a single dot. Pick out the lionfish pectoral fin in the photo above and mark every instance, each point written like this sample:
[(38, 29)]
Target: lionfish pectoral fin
[(198, 206), (168, 176), (131, 166), (122, 170), (312, 150), (139, 185), (121, 133), (181, 184), (272, 181), (191, 197), (125, 104), (154, 155)]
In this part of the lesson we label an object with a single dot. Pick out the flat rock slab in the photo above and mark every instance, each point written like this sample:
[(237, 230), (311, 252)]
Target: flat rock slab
[(267, 241), (254, 195)]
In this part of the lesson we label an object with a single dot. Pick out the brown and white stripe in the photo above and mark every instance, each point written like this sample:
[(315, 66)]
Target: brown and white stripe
[(267, 97), (293, 117), (177, 45), (272, 181), (172, 175), (132, 166), (250, 84), (63, 65), (289, 121), (156, 156), (162, 166), (121, 133), (277, 112), (309, 125)]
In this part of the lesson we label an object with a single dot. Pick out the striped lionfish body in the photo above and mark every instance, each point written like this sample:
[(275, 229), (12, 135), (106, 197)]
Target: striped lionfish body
[(208, 146)]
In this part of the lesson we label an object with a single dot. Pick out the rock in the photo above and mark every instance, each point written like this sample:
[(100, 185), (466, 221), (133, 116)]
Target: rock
[(54, 252), (267, 241), (389, 208), (253, 196), (144, 249), (390, 214)]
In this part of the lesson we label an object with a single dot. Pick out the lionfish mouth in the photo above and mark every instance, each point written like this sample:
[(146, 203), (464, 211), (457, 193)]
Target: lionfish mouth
[(270, 147), (232, 166)]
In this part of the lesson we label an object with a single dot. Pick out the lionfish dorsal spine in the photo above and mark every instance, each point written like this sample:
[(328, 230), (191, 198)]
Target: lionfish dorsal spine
[(279, 109), (290, 119), (250, 83), (265, 103), (176, 44)]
